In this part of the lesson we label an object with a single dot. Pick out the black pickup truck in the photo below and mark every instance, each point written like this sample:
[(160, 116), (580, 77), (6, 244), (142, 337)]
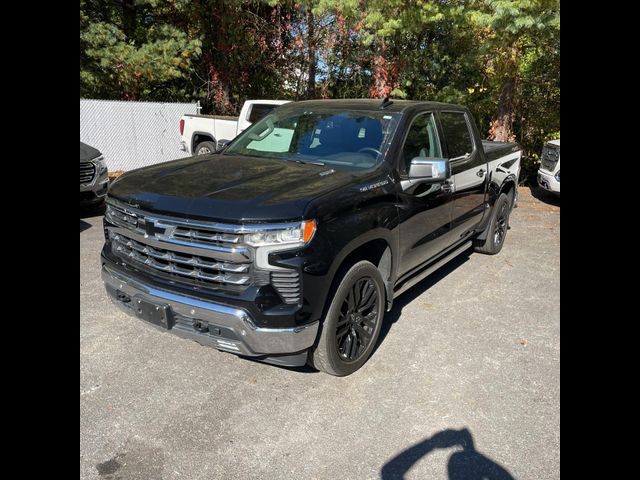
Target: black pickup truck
[(290, 244)]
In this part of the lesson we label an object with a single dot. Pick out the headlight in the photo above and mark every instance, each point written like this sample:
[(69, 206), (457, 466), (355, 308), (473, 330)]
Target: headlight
[(101, 165), (558, 176), (294, 235)]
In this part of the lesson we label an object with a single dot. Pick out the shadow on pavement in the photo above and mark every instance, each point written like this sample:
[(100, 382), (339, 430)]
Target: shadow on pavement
[(301, 369), (84, 225), (545, 196), (465, 464)]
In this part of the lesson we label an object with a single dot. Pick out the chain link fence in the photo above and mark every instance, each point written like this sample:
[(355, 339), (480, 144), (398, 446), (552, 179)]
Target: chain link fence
[(133, 134)]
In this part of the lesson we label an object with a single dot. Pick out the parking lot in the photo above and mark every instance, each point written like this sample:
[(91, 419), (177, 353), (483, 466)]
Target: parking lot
[(465, 380)]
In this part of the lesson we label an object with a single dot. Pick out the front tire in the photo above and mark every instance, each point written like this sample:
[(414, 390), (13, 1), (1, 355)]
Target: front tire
[(205, 148), (353, 322), (497, 228)]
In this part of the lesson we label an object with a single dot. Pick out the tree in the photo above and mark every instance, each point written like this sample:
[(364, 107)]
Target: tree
[(508, 28), (245, 47), (501, 58), (420, 50), (130, 49)]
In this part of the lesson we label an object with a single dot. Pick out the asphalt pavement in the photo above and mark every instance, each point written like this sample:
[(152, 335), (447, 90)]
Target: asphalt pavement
[(465, 381)]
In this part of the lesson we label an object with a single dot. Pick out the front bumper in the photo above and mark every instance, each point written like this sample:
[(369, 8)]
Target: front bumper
[(548, 181), (223, 327)]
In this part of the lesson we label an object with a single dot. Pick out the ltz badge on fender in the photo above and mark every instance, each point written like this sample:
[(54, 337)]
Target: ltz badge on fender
[(371, 186)]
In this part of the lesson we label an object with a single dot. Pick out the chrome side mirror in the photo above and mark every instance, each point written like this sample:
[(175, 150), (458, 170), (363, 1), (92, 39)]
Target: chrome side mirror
[(429, 170)]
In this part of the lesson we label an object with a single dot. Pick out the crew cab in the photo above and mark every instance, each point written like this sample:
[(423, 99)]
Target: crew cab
[(549, 171), (200, 134), (291, 243)]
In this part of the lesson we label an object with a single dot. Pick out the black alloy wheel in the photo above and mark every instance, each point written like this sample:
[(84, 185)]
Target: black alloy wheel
[(357, 322), (501, 224), (496, 230), (351, 326)]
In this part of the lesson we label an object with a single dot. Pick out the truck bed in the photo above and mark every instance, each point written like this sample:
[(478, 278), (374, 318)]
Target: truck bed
[(494, 150), (215, 117)]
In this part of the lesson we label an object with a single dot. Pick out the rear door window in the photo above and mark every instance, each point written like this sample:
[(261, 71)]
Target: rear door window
[(259, 110), (457, 134)]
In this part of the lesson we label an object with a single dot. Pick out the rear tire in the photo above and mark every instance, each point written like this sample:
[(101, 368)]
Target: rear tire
[(205, 148), (497, 227), (353, 321)]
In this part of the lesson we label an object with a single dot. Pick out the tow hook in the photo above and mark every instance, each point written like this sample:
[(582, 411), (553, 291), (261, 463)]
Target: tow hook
[(123, 297), (201, 326)]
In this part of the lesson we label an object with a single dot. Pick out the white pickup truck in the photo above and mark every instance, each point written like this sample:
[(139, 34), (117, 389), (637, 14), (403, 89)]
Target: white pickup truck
[(201, 133), (549, 171)]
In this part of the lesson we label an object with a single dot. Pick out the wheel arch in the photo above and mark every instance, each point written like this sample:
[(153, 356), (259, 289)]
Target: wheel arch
[(507, 184), (376, 246), (509, 187), (198, 137)]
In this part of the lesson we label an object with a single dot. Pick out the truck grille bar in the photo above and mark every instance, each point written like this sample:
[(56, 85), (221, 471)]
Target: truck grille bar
[(550, 155), (87, 172), (184, 265), (172, 247)]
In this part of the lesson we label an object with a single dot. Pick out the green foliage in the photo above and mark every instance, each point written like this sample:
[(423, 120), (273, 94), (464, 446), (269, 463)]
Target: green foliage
[(131, 49), (165, 55), (501, 58)]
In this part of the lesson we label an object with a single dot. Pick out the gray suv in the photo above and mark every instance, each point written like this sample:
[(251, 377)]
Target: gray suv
[(94, 177)]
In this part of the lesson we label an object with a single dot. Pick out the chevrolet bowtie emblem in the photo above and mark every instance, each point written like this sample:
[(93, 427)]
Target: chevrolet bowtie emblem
[(154, 228)]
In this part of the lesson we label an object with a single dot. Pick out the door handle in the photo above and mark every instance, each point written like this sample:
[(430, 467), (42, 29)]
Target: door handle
[(480, 172), (447, 187)]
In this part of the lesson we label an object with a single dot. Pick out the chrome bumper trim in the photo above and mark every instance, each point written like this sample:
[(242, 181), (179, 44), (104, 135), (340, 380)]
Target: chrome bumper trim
[(253, 340)]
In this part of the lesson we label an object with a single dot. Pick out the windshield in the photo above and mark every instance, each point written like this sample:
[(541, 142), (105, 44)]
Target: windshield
[(344, 139)]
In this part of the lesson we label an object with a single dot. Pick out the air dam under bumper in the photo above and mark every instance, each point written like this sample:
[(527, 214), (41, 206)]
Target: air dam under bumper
[(224, 328)]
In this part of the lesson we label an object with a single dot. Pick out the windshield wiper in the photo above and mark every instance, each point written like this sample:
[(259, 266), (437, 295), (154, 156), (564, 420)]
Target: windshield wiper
[(302, 161)]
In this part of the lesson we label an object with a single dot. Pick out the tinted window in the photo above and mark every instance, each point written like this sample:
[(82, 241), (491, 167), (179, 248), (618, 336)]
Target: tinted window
[(259, 110), (341, 138), (421, 141), (456, 133)]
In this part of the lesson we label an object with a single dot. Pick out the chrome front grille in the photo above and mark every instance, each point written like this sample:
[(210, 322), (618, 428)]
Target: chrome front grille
[(122, 217), (200, 235), (550, 156), (189, 266), (206, 254), (181, 249), (87, 172), (287, 284)]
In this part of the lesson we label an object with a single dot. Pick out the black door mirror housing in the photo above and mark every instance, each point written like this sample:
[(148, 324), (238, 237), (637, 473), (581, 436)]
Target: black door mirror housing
[(222, 144), (429, 169)]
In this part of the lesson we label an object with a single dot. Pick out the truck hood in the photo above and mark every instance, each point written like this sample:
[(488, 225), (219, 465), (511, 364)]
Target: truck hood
[(228, 188), (87, 152)]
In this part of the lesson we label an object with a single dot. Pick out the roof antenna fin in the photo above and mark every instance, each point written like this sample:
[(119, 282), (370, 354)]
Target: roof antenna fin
[(385, 103)]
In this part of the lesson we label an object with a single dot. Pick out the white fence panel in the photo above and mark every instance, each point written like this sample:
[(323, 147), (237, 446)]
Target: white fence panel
[(133, 134)]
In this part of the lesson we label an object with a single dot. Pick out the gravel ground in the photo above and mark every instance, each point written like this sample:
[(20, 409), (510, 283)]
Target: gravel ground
[(466, 380)]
